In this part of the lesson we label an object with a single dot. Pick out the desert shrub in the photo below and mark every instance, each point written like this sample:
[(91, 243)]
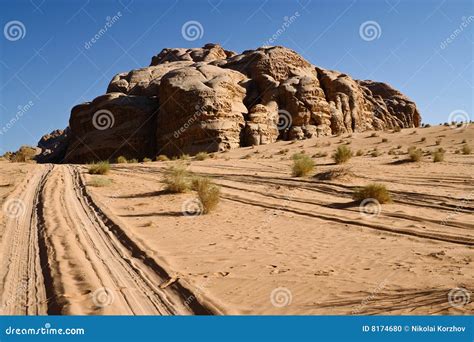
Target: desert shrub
[(202, 156), (302, 165), (134, 160), (176, 178), (423, 139), (162, 157), (384, 140), (298, 155), (208, 193), (100, 182), (438, 142), (414, 154), (397, 129), (184, 157), (342, 154), (100, 168), (438, 156), (359, 153), (122, 160), (466, 149), (375, 191), (146, 160)]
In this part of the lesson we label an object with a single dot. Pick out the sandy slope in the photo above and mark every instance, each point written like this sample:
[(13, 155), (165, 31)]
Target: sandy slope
[(276, 244)]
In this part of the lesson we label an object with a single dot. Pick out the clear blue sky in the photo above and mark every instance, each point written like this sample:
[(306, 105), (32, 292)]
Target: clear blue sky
[(47, 68)]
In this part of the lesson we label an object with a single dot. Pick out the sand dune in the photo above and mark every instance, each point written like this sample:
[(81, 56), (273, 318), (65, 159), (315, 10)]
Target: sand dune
[(276, 244)]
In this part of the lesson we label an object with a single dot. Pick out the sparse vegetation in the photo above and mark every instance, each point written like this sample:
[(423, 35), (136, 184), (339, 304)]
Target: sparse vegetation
[(359, 153), (146, 160), (184, 157), (466, 149), (162, 157), (384, 140), (423, 139), (100, 182), (208, 193), (375, 191), (122, 160), (342, 154), (438, 142), (177, 178), (134, 160), (414, 154), (375, 153), (302, 165), (202, 156), (438, 156), (100, 168), (397, 129)]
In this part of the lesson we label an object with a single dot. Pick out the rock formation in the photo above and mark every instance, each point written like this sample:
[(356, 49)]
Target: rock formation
[(211, 99)]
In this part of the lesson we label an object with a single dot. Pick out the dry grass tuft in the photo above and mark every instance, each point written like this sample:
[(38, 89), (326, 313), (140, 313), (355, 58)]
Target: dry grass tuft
[(100, 168), (177, 178), (208, 193), (302, 165), (342, 154), (375, 191)]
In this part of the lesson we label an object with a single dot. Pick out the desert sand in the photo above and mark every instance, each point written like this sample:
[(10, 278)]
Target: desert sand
[(276, 244)]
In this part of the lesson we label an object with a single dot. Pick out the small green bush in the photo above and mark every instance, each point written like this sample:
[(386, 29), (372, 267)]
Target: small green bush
[(100, 182), (208, 193), (122, 160), (466, 149), (438, 156), (415, 154), (162, 157), (177, 178), (202, 156), (100, 168), (342, 154), (375, 191), (302, 165)]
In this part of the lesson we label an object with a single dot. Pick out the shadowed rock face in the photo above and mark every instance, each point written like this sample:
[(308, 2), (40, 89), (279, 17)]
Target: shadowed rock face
[(211, 99)]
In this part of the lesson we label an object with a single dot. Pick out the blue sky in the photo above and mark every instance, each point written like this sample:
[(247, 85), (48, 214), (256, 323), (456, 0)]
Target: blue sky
[(45, 68)]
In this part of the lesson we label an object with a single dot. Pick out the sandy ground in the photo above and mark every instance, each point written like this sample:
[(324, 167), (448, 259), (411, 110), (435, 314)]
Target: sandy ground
[(275, 245)]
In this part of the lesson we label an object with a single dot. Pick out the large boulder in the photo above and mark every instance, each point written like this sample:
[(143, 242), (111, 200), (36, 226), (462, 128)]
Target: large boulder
[(211, 99)]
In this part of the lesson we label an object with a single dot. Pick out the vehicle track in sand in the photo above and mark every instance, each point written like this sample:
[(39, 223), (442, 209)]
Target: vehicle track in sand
[(64, 255)]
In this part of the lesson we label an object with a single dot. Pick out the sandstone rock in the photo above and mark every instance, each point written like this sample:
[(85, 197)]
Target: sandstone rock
[(112, 125), (53, 146), (211, 99)]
